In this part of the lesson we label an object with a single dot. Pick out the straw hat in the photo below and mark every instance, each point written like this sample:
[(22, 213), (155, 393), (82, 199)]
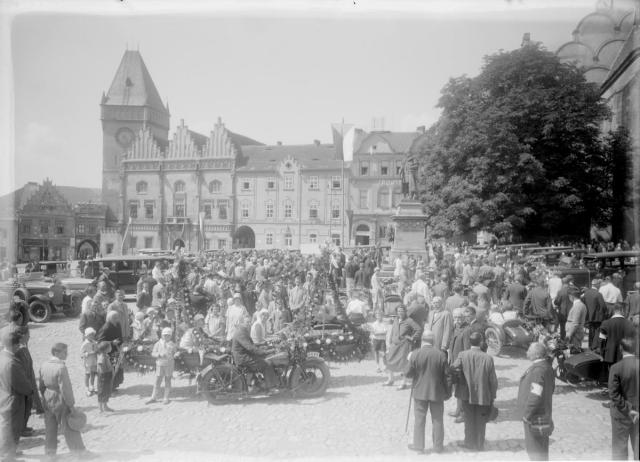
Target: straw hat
[(76, 419)]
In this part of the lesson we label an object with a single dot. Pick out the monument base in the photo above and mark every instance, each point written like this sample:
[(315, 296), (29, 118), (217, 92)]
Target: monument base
[(410, 224)]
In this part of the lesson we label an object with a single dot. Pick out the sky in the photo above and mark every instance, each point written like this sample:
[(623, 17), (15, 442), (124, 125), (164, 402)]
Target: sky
[(273, 72)]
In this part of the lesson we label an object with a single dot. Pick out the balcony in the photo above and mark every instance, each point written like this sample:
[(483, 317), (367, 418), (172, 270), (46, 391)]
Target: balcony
[(177, 220)]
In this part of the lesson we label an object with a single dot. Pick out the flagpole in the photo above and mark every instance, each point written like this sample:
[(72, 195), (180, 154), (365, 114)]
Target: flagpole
[(124, 238)]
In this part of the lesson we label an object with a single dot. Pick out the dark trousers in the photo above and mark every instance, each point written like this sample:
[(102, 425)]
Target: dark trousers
[(622, 429), (562, 321), (475, 424), (537, 446), (437, 422), (593, 332), (72, 437)]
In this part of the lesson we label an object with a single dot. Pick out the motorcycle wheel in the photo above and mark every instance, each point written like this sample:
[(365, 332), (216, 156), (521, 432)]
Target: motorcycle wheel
[(494, 344), (222, 384), (311, 379), (39, 311)]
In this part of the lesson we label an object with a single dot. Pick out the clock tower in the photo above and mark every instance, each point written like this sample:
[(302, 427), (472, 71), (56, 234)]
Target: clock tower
[(131, 104)]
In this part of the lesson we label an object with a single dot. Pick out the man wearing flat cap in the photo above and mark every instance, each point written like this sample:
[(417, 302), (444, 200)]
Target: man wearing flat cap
[(432, 387)]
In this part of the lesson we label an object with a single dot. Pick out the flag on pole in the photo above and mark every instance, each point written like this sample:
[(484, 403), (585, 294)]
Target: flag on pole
[(124, 238)]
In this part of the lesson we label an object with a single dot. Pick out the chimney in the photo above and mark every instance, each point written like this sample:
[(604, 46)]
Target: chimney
[(279, 143), (316, 142), (421, 129)]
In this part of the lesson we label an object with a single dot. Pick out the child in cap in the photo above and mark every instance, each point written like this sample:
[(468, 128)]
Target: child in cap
[(89, 358), (105, 375), (164, 351)]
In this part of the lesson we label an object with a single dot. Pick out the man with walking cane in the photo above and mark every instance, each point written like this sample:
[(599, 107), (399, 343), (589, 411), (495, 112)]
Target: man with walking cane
[(431, 388)]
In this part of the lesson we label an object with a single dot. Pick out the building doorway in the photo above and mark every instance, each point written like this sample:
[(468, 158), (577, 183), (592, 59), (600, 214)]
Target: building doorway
[(87, 249), (362, 235), (244, 238)]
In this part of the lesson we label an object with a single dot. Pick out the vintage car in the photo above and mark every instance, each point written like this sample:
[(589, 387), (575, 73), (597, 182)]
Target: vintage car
[(45, 298), (125, 270), (624, 263)]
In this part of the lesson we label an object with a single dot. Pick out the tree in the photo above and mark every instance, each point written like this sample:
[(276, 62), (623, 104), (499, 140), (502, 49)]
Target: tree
[(517, 150)]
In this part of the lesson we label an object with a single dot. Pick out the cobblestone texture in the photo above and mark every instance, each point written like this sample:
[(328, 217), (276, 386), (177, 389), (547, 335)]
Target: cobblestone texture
[(357, 418)]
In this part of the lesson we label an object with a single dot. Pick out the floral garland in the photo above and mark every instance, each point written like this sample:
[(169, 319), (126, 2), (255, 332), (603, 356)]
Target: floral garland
[(347, 346)]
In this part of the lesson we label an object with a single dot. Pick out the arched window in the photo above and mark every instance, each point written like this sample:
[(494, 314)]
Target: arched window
[(215, 186), (383, 197), (141, 187), (288, 239), (178, 186)]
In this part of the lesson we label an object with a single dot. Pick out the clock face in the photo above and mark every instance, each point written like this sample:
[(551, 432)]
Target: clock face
[(124, 137)]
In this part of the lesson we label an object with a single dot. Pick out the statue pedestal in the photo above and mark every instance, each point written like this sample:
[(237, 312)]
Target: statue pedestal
[(410, 223)]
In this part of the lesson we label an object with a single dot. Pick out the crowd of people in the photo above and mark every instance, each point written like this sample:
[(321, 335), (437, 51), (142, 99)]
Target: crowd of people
[(448, 298)]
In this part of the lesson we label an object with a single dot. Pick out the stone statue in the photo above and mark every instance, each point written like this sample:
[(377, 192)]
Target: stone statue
[(409, 175)]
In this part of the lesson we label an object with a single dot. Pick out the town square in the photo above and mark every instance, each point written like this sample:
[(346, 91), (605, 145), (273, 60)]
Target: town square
[(343, 231)]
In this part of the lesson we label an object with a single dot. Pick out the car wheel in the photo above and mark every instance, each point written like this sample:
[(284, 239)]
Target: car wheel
[(39, 311)]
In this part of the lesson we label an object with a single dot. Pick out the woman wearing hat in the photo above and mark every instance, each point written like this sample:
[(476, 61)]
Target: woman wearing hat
[(164, 351)]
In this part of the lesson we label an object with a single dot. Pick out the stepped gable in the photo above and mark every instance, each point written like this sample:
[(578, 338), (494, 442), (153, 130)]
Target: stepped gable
[(145, 146), (599, 38), (49, 198), (133, 86)]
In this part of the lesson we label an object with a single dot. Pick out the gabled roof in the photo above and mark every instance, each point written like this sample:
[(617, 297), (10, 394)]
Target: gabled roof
[(133, 86), (317, 156), (399, 142), (12, 202)]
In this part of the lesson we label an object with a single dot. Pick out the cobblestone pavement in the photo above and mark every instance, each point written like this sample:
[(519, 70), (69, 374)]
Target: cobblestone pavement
[(358, 418)]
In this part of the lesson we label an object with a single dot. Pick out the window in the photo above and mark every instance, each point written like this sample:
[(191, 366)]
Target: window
[(222, 209), (215, 186), (271, 183), (383, 197), (91, 229), (44, 227), (207, 244), (59, 227), (133, 209), (314, 183), (246, 185), (398, 167), (335, 237), (288, 209), (207, 211), (313, 210), (148, 208), (109, 249), (288, 239), (288, 181), (80, 229), (382, 231), (364, 199), (336, 182), (244, 210), (26, 228), (178, 187), (269, 239), (222, 244), (133, 242), (148, 242), (384, 169), (335, 211), (141, 187), (364, 168), (268, 211), (179, 207), (313, 238)]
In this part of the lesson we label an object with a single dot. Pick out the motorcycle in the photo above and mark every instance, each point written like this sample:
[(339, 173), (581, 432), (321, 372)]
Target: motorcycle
[(573, 365), (507, 329), (303, 373)]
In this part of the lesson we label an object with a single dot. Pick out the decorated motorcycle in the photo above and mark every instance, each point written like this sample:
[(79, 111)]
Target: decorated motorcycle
[(301, 372)]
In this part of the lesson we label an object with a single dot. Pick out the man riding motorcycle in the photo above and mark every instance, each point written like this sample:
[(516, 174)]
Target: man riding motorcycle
[(247, 354)]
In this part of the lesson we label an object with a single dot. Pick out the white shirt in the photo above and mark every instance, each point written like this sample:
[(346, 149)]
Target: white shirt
[(421, 288), (555, 284), (611, 293), (86, 303), (357, 307)]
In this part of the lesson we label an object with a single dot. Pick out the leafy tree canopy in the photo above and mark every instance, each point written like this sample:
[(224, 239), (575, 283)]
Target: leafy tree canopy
[(517, 150)]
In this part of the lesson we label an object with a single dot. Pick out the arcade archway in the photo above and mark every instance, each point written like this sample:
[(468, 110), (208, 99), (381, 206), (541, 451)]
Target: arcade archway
[(244, 238), (87, 249), (363, 233)]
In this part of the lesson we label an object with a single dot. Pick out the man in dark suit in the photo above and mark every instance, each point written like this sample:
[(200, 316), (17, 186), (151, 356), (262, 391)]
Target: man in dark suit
[(623, 391), (247, 354), (563, 303), (632, 304), (15, 387), (612, 331), (460, 323), (535, 400), (596, 310), (475, 369), (431, 387), (474, 325)]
